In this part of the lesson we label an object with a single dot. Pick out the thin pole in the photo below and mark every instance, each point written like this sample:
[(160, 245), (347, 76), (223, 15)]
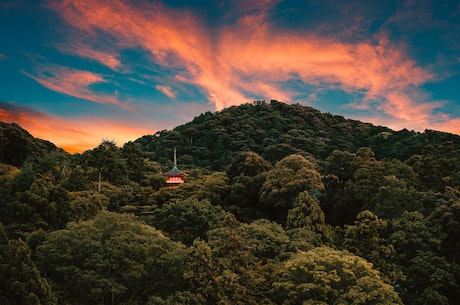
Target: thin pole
[(175, 162)]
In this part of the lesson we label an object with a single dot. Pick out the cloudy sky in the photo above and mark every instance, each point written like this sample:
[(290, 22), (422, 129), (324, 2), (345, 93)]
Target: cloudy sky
[(76, 72)]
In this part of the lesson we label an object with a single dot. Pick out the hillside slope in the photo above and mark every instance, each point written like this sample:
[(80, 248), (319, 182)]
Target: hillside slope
[(17, 144), (275, 130)]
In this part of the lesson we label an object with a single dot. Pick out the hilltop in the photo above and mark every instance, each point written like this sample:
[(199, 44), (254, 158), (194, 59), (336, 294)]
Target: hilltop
[(272, 129), (17, 144), (272, 191), (275, 130)]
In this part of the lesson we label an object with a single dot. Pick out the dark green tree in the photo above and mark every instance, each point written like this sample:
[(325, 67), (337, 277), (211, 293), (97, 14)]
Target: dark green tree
[(45, 205), (134, 160), (236, 280), (246, 175), (186, 219), (110, 165), (248, 164), (367, 239), (201, 272), (290, 176), (85, 205), (395, 197), (446, 215), (20, 280), (417, 243), (306, 214), (111, 259), (326, 276), (267, 241)]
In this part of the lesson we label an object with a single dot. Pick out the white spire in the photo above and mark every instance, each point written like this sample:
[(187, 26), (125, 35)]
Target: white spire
[(175, 162)]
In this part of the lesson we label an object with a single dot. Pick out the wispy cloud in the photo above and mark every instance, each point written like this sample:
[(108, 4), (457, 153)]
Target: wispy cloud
[(166, 90), (75, 83), (3, 56), (106, 58), (248, 57)]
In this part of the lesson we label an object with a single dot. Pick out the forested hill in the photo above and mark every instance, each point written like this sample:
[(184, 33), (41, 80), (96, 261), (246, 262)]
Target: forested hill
[(16, 145), (333, 218), (275, 130)]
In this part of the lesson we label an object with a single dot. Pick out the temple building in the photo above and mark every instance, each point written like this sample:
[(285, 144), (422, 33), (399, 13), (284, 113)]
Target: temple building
[(174, 177)]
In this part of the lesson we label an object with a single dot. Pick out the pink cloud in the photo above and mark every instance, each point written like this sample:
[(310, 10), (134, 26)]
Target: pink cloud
[(448, 125), (402, 107), (109, 59), (166, 90), (250, 58), (76, 83)]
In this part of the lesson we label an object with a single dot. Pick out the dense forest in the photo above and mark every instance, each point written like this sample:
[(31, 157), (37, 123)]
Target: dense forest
[(283, 204)]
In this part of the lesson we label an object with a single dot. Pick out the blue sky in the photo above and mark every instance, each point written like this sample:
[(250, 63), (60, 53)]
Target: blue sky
[(78, 72)]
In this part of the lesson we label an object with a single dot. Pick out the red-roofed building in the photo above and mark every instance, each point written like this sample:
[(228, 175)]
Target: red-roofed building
[(174, 177)]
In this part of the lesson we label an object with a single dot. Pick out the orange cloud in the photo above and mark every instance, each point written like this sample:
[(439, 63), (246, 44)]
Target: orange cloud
[(109, 59), (401, 106), (75, 83), (249, 57), (448, 125), (74, 135), (166, 90)]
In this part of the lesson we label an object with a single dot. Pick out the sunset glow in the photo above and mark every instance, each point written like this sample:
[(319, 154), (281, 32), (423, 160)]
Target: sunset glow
[(121, 69)]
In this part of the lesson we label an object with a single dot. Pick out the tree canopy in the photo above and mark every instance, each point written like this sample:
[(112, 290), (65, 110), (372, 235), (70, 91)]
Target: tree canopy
[(283, 204)]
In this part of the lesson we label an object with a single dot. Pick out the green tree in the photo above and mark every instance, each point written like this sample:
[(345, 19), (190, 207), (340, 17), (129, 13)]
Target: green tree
[(430, 280), (237, 280), (134, 160), (290, 176), (178, 298), (417, 243), (187, 219), (248, 164), (246, 175), (7, 175), (412, 233), (110, 165), (111, 259), (446, 215), (367, 239), (395, 197), (213, 187), (44, 205), (86, 204), (20, 280), (338, 173), (437, 166), (306, 213), (267, 241), (202, 272), (326, 276)]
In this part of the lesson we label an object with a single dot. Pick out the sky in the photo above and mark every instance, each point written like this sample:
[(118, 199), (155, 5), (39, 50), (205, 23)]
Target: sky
[(77, 72)]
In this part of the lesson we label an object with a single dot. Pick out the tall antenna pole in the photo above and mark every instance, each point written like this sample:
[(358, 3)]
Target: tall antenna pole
[(175, 162)]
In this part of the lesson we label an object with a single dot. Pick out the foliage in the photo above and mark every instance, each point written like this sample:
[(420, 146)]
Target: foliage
[(247, 173), (253, 222), (326, 276), (111, 259), (275, 130), (306, 213), (20, 280), (186, 219), (17, 145), (366, 238), (290, 176)]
